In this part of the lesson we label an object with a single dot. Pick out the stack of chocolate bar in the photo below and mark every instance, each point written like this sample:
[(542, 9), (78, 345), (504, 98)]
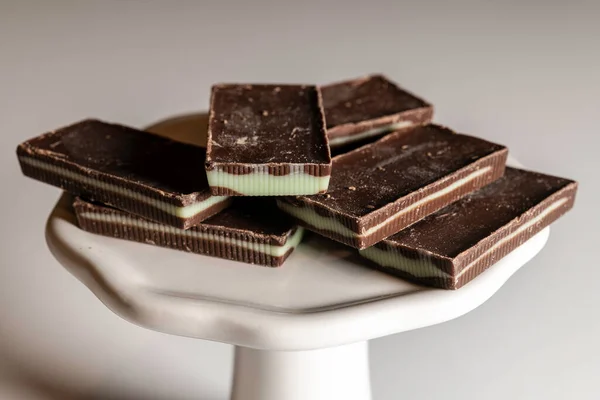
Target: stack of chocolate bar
[(415, 199)]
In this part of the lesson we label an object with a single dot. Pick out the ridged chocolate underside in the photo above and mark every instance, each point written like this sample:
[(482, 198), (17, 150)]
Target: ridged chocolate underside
[(489, 258), (273, 169), (172, 240), (438, 282)]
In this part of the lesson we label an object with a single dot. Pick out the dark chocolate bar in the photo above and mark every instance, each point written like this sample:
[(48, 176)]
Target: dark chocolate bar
[(451, 247), (383, 187), (132, 170), (370, 106), (249, 231), (267, 140)]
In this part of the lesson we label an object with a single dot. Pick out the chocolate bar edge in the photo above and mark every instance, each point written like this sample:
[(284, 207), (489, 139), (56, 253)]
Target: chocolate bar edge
[(417, 116), (177, 242), (26, 149), (496, 161), (480, 255), (125, 202)]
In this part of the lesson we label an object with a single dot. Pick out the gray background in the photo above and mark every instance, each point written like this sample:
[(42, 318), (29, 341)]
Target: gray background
[(523, 73)]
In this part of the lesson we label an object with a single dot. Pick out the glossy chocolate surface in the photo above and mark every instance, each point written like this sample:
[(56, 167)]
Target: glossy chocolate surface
[(377, 174), (266, 124), (461, 225)]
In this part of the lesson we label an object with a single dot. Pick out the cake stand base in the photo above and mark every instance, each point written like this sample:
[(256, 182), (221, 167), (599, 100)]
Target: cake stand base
[(334, 373)]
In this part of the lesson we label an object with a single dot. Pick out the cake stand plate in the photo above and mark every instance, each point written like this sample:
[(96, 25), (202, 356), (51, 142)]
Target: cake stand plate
[(300, 331)]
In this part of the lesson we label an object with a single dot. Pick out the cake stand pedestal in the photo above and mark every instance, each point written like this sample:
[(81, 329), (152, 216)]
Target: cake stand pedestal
[(300, 331)]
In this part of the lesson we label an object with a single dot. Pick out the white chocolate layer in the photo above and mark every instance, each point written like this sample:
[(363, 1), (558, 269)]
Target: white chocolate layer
[(313, 219), (264, 248), (261, 183), (181, 212), (341, 140), (422, 268)]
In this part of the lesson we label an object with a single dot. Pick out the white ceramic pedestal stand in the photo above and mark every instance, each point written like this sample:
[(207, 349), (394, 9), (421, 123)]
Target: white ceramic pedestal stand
[(334, 373), (300, 331)]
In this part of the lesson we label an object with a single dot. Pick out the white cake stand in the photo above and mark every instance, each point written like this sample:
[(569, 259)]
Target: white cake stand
[(300, 331)]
